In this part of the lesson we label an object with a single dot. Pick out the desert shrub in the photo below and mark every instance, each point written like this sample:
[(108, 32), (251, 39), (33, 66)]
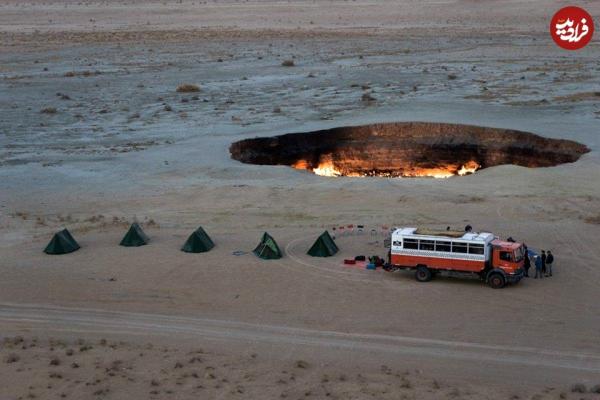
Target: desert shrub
[(578, 388), (188, 88), (12, 358), (49, 110)]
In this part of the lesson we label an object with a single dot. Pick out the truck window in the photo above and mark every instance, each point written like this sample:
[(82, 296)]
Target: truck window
[(505, 256), (519, 254), (475, 249), (397, 243), (411, 244), (442, 246), (459, 247), (426, 245)]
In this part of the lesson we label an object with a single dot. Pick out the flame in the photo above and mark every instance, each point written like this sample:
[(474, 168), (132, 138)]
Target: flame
[(469, 168), (326, 167)]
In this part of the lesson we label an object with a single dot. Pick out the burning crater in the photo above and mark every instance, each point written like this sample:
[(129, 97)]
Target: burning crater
[(412, 149)]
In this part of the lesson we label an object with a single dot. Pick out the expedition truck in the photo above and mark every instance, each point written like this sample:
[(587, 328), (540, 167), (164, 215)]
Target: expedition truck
[(459, 254)]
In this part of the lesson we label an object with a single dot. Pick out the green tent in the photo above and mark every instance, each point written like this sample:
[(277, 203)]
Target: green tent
[(323, 247), (268, 249), (198, 242), (62, 243), (135, 236)]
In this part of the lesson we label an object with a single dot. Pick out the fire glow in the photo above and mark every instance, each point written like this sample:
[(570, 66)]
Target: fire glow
[(406, 149), (327, 167)]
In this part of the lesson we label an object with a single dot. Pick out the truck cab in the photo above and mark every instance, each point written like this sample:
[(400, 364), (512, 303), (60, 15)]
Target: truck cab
[(507, 262)]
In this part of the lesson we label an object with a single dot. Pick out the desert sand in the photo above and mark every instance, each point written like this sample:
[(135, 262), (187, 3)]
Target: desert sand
[(94, 136)]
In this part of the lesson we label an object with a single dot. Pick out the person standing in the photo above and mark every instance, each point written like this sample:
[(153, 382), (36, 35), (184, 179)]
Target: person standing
[(544, 270), (549, 261), (538, 267), (527, 263)]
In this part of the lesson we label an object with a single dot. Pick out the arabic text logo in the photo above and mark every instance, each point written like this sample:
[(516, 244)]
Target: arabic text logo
[(572, 28)]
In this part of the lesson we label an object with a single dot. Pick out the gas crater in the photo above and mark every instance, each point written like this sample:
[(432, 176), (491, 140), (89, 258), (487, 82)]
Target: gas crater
[(406, 149)]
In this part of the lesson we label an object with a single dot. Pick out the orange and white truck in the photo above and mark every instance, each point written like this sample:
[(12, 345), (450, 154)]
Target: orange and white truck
[(460, 254)]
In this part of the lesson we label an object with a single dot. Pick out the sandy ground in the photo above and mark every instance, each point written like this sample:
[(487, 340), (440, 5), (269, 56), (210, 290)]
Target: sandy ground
[(123, 145)]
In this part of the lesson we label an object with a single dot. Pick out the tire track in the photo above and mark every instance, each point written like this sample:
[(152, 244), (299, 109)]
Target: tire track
[(47, 318)]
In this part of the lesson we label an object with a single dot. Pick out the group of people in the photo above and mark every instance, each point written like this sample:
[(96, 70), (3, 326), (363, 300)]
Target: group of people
[(543, 263)]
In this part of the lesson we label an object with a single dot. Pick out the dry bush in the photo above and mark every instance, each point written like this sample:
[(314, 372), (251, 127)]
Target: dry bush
[(49, 110), (12, 358), (366, 97), (288, 63), (188, 88), (71, 74), (578, 388), (593, 219), (85, 347)]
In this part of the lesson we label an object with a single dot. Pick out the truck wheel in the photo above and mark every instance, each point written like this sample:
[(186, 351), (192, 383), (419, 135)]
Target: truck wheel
[(496, 281), (423, 274)]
